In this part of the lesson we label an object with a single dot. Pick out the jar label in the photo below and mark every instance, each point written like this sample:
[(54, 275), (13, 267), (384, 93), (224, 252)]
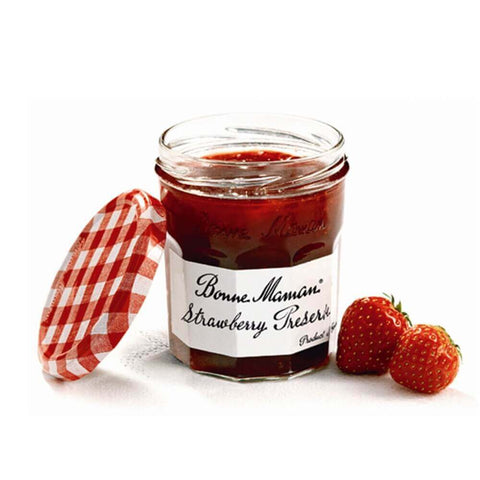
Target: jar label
[(252, 313)]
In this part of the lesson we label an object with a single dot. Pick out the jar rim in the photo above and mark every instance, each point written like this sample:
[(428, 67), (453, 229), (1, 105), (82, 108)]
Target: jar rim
[(186, 149), (166, 146)]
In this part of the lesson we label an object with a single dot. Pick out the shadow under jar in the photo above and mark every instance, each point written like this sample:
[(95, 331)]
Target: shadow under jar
[(254, 208)]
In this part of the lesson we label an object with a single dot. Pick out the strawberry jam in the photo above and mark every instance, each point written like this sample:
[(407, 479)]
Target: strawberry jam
[(252, 268)]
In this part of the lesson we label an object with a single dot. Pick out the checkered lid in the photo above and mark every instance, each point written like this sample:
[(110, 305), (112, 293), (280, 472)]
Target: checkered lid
[(101, 285)]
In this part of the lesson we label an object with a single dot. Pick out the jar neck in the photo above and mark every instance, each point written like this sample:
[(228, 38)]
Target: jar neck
[(313, 158)]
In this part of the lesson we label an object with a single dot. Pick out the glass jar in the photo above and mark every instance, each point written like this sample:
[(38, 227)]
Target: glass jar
[(254, 208)]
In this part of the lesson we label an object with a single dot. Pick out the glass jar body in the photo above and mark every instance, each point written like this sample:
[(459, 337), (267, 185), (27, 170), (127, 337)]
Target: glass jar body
[(249, 234)]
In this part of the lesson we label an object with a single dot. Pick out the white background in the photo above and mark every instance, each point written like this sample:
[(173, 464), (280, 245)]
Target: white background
[(90, 87)]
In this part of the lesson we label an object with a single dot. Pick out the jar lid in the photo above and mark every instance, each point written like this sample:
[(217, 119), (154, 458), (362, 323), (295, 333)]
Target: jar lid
[(101, 285)]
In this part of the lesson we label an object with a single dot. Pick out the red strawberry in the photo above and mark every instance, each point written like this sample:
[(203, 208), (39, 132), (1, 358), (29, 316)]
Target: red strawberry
[(369, 332), (426, 359)]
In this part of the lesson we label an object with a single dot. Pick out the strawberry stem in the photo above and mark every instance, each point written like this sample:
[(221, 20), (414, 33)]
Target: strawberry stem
[(398, 307)]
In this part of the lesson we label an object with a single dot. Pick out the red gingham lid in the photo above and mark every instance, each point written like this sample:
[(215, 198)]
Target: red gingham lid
[(101, 285)]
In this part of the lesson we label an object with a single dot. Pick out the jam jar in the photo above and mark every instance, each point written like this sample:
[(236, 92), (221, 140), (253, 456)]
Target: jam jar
[(254, 207)]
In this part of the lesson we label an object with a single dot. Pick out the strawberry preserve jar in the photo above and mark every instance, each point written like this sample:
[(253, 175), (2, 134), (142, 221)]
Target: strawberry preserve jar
[(254, 211)]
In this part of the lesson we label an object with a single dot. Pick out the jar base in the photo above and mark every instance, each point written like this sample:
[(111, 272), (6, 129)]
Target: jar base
[(286, 376)]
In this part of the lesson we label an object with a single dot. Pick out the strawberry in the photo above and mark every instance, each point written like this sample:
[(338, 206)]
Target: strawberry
[(426, 359), (369, 333)]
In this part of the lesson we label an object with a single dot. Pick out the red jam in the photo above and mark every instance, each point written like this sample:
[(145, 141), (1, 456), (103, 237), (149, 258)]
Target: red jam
[(249, 233)]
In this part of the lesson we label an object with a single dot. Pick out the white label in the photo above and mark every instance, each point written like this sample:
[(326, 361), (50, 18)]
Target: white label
[(252, 313)]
